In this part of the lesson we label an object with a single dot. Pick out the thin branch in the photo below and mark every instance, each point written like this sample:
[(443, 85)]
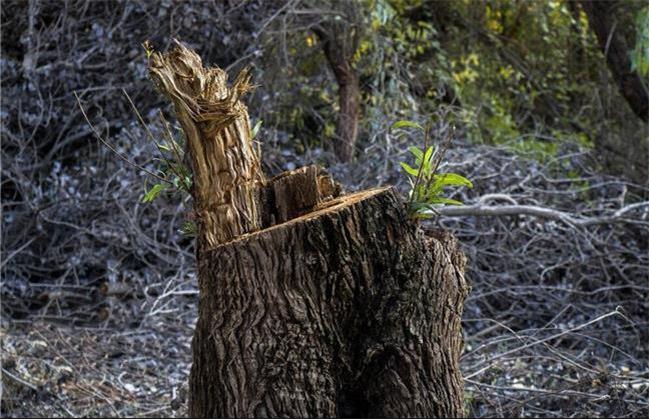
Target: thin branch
[(169, 163), (19, 380), (549, 338), (482, 210), (111, 148), (15, 252)]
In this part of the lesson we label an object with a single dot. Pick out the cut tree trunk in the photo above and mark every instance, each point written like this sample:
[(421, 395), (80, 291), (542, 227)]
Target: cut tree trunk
[(349, 310), (334, 305)]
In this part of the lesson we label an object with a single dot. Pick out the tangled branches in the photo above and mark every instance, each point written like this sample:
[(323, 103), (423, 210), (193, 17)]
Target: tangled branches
[(556, 323), (557, 316), (61, 191)]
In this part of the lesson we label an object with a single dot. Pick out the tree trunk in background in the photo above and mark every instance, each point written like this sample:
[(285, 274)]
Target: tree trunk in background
[(617, 154), (347, 124), (340, 39), (333, 305), (602, 18)]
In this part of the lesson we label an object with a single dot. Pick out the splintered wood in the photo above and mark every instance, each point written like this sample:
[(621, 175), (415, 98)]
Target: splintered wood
[(225, 165)]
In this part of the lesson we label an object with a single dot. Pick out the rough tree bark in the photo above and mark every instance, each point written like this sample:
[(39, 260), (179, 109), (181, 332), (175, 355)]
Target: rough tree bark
[(324, 304)]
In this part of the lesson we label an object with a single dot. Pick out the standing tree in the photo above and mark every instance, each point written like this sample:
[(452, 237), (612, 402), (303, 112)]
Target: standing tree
[(603, 17), (610, 24), (340, 36), (312, 303)]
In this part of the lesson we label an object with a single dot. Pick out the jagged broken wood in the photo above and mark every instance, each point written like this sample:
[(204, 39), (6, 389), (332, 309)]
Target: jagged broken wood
[(225, 167), (312, 302)]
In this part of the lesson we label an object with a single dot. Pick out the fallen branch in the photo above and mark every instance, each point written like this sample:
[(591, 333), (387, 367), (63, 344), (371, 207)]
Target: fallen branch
[(19, 380), (481, 209)]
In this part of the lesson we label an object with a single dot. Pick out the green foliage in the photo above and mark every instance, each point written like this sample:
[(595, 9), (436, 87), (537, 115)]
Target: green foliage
[(153, 193), (427, 186), (640, 53), (171, 168), (172, 171), (255, 130), (189, 228), (177, 175), (515, 72), (521, 69), (406, 124)]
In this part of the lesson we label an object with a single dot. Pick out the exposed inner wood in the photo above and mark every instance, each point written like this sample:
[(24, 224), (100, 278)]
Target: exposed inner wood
[(301, 191), (331, 205), (225, 165)]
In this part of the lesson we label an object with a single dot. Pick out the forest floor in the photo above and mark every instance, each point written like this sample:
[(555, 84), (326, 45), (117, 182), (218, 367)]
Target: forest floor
[(556, 324)]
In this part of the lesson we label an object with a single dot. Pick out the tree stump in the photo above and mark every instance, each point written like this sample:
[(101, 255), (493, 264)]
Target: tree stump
[(332, 305)]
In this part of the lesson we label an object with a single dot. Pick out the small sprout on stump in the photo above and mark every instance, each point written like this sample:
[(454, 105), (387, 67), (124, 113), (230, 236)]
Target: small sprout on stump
[(426, 185)]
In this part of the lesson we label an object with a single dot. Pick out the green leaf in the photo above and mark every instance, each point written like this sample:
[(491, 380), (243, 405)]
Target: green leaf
[(189, 228), (427, 160), (424, 215), (452, 179), (433, 192), (409, 169), (154, 192), (255, 129), (187, 185), (419, 155), (406, 124), (419, 206), (422, 210), (421, 192), (445, 201)]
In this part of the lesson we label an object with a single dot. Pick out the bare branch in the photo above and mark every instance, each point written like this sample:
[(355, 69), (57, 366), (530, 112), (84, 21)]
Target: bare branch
[(111, 148), (482, 210)]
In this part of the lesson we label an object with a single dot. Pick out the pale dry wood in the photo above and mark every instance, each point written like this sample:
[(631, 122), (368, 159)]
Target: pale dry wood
[(225, 165), (482, 209)]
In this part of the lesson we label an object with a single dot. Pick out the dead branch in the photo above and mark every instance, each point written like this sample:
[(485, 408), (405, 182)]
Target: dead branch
[(480, 209)]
